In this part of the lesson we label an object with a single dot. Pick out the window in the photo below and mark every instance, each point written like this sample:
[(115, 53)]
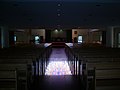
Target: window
[(79, 39), (15, 38), (37, 39)]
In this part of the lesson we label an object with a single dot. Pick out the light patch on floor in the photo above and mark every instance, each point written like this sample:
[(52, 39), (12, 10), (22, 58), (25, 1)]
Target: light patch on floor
[(58, 68), (69, 44), (47, 44)]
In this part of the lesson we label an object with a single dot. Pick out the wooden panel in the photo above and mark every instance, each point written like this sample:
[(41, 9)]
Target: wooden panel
[(107, 74)]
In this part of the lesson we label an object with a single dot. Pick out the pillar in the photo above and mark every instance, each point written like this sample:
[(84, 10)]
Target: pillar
[(4, 37), (110, 37), (29, 35), (69, 36), (0, 37), (117, 36), (48, 36), (104, 38), (11, 38)]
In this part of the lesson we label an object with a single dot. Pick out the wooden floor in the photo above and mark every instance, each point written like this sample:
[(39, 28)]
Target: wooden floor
[(58, 63), (66, 82), (57, 82)]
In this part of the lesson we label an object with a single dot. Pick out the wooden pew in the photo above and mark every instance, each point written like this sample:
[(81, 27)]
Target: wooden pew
[(103, 65), (107, 73), (107, 64), (8, 80), (19, 58), (16, 60), (23, 75), (101, 77)]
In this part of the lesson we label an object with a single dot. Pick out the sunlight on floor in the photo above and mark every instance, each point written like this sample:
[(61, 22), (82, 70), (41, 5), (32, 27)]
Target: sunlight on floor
[(58, 68), (69, 44), (47, 44)]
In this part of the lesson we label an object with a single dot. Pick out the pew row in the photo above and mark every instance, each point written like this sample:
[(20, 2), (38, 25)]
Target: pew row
[(8, 80), (23, 72)]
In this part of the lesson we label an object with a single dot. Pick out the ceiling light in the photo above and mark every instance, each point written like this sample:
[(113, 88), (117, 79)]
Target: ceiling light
[(58, 14), (61, 30), (59, 5), (56, 30)]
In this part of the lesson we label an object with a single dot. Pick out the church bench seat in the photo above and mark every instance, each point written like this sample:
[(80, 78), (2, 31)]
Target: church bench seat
[(101, 59), (107, 73), (17, 61), (8, 80), (104, 65), (24, 73)]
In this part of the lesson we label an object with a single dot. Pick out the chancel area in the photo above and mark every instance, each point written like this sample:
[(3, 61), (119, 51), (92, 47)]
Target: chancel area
[(59, 45)]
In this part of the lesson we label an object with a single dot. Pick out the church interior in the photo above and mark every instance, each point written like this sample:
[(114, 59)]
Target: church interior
[(59, 45)]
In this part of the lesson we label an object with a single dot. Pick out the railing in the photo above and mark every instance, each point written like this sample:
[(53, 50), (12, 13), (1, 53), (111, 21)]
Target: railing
[(76, 65), (41, 63)]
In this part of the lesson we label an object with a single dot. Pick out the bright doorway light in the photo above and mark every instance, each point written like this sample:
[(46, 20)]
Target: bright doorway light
[(79, 39), (37, 39), (15, 38)]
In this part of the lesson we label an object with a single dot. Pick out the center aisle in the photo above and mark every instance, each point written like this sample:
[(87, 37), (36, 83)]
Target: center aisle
[(58, 63), (58, 75)]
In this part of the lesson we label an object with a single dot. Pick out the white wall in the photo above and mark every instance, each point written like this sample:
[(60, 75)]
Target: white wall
[(39, 32), (22, 35), (25, 35), (89, 36), (83, 32)]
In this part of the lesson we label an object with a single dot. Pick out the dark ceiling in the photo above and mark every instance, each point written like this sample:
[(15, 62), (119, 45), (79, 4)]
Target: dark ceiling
[(59, 13)]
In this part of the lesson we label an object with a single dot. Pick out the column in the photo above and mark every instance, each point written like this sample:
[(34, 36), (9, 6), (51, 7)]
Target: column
[(48, 36), (69, 36), (117, 36), (0, 37), (4, 37), (110, 37), (11, 38), (29, 36), (104, 38)]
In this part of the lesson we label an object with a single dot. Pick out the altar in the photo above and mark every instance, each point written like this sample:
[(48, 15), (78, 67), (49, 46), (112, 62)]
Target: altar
[(58, 44)]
